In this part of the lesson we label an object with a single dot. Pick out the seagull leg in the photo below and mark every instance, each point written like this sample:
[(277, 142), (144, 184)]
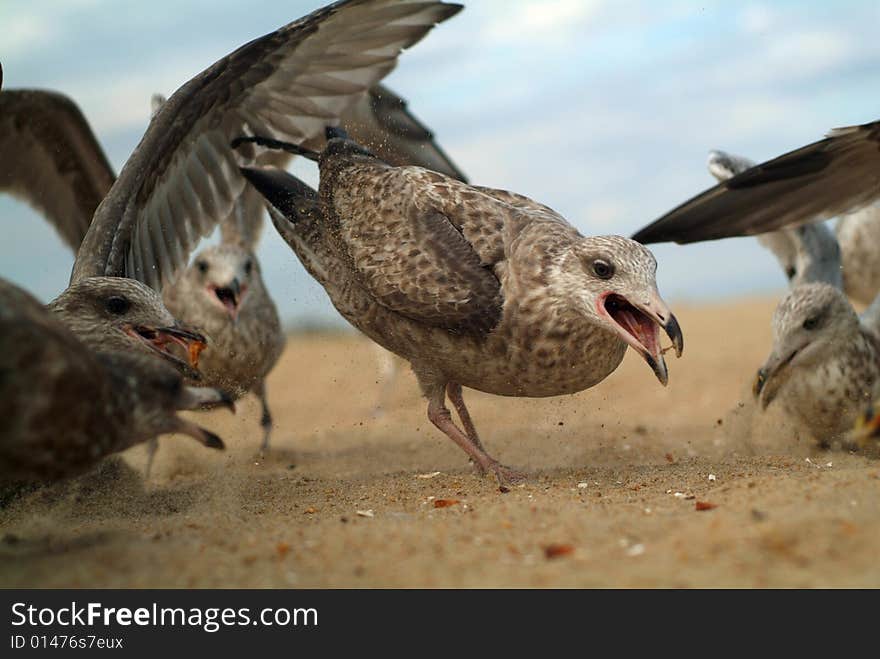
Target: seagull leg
[(440, 416), (453, 390), (266, 418), (152, 447)]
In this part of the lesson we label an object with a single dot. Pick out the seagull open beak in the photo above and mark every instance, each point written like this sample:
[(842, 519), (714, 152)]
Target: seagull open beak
[(639, 323), (160, 339), (230, 296)]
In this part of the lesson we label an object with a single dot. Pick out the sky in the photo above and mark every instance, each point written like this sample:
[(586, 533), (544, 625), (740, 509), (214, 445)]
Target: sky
[(604, 110)]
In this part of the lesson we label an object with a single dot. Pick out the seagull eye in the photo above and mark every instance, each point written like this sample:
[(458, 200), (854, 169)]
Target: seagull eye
[(248, 266), (202, 266), (117, 305), (811, 323), (603, 269)]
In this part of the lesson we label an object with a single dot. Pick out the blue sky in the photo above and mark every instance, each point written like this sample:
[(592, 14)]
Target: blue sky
[(603, 110)]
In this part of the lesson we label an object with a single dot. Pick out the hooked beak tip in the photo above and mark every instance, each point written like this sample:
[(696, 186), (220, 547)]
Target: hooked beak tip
[(673, 331)]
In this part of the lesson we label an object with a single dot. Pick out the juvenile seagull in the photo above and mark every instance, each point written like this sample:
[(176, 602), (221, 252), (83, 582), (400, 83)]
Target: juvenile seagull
[(475, 287), (825, 364), (67, 404)]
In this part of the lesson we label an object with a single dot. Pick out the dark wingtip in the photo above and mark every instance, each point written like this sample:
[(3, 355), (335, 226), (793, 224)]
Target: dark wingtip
[(213, 441), (279, 188), (278, 145)]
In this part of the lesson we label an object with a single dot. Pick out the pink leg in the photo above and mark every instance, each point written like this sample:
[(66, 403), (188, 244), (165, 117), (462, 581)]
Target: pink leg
[(440, 417), (453, 390)]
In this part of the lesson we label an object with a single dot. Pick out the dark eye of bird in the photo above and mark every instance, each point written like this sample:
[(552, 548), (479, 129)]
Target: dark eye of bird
[(117, 305), (248, 266), (603, 269), (790, 272), (811, 323), (202, 266)]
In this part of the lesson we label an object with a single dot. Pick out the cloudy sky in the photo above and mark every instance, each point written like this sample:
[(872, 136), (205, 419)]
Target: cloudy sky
[(603, 110)]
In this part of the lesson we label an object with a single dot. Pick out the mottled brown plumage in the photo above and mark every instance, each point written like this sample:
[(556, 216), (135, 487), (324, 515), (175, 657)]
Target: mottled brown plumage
[(824, 367), (65, 405), (474, 287)]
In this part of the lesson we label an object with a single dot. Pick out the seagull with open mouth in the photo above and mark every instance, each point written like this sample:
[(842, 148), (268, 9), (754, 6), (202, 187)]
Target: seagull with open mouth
[(475, 287)]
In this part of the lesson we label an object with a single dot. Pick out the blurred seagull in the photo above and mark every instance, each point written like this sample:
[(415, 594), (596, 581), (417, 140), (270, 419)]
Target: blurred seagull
[(66, 403), (480, 288)]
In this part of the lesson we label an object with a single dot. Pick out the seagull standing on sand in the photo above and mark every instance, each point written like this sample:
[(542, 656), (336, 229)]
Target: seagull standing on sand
[(475, 287)]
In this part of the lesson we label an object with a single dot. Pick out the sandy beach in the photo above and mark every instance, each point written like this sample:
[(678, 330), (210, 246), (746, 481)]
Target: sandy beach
[(630, 485)]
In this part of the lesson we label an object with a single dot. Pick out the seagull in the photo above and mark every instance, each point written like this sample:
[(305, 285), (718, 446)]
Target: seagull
[(824, 367), (475, 287), (67, 403)]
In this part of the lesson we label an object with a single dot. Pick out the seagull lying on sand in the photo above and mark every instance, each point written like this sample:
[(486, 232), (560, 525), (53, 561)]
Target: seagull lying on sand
[(67, 404), (824, 366), (475, 287), (825, 363)]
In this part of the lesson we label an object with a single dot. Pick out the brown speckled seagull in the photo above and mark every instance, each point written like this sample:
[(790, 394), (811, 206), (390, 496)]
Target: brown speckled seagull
[(66, 404), (824, 367), (475, 287)]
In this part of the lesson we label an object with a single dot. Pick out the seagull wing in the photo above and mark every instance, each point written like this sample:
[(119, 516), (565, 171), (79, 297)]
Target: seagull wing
[(423, 244), (52, 160), (381, 121), (815, 182), (183, 178)]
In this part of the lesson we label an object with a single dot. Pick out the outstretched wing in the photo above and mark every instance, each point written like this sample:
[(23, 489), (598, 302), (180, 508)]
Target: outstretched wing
[(807, 253), (183, 178), (50, 158), (815, 182)]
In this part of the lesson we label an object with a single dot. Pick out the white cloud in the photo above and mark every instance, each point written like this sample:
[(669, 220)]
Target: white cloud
[(541, 19)]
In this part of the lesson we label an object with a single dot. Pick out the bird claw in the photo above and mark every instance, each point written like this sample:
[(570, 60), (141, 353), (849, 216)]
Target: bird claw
[(504, 475)]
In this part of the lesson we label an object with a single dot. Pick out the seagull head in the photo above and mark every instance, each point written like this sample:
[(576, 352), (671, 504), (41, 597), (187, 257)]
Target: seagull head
[(810, 323), (223, 275), (121, 314), (613, 283)]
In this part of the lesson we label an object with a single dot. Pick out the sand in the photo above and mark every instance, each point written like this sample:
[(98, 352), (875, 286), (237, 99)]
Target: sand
[(616, 474)]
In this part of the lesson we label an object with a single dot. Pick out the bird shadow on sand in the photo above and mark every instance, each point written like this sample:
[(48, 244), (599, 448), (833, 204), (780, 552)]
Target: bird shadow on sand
[(113, 489)]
